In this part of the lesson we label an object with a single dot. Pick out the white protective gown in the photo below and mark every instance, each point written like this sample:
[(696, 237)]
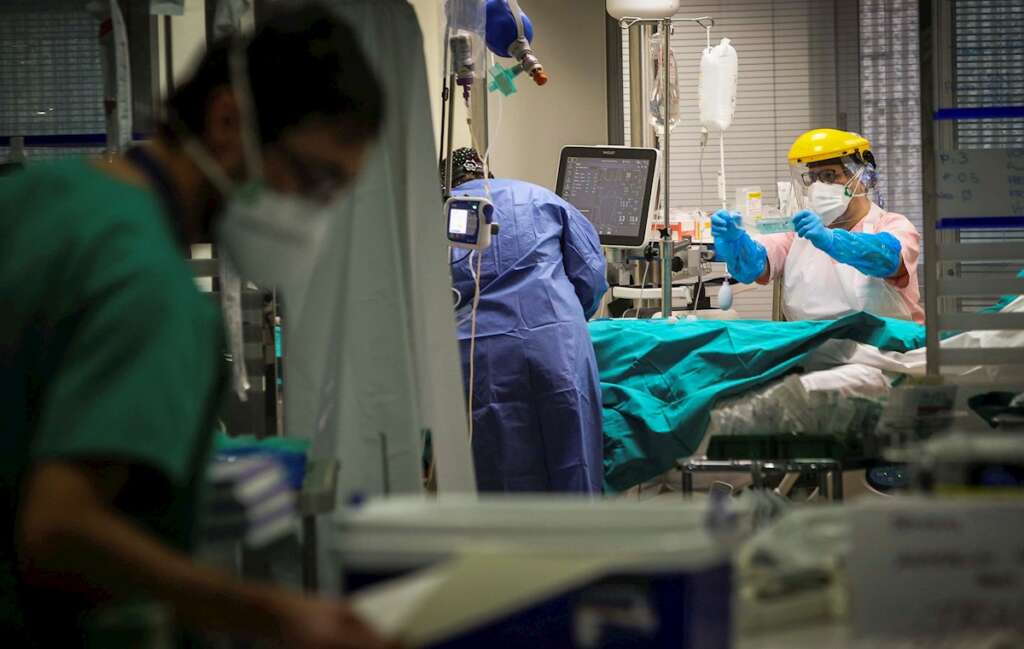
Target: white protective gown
[(817, 287)]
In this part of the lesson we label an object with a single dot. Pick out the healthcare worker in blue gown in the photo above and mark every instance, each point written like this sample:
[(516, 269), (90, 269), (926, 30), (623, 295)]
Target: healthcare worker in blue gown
[(536, 394)]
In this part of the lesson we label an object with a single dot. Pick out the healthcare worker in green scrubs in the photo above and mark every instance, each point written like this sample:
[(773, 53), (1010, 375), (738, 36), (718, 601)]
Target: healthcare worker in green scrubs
[(111, 360)]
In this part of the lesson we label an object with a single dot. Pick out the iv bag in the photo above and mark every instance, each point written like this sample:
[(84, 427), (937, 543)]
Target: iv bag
[(718, 76), (468, 15), (657, 106), (465, 22)]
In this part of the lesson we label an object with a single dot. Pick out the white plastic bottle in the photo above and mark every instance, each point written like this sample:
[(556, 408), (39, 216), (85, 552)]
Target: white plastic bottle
[(650, 9), (725, 295)]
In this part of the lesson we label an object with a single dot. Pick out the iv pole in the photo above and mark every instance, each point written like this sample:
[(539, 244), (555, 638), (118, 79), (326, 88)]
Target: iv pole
[(666, 236)]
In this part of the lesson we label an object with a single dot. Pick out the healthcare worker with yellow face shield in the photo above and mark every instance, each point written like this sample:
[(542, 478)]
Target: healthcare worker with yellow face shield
[(847, 254)]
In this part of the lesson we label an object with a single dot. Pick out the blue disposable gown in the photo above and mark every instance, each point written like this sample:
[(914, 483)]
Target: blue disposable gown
[(537, 396)]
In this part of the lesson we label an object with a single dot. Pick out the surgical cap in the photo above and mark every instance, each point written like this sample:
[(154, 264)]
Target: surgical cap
[(465, 162)]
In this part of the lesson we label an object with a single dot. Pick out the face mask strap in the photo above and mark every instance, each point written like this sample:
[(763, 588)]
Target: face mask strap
[(248, 124), (210, 168), (853, 182), (250, 146)]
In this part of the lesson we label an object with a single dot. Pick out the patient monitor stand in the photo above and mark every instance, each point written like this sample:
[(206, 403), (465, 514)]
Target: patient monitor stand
[(635, 274)]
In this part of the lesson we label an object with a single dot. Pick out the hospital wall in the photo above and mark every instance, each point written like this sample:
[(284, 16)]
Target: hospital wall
[(572, 108), (188, 41), (530, 127), (535, 123), (430, 14)]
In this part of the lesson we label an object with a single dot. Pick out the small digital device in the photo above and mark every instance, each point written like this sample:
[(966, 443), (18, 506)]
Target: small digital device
[(469, 221), (614, 187)]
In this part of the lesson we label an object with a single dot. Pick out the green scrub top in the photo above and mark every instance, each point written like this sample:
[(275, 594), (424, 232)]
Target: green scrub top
[(107, 350)]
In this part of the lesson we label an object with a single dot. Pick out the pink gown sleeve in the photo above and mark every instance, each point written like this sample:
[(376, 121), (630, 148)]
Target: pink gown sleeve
[(777, 246)]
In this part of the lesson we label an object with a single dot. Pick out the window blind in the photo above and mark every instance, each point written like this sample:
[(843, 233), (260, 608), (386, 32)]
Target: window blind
[(51, 78), (988, 59), (891, 104)]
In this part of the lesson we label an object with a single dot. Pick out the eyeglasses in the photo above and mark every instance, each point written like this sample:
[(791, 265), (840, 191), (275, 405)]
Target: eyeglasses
[(827, 176), (317, 180)]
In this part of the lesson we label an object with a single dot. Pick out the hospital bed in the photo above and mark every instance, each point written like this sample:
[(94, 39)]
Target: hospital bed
[(670, 390), (813, 424)]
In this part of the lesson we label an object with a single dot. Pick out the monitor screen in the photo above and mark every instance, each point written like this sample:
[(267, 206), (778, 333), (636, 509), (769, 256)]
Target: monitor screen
[(463, 220), (458, 221), (612, 187)]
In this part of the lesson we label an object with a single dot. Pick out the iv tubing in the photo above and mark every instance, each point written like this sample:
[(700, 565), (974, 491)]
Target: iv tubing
[(721, 169)]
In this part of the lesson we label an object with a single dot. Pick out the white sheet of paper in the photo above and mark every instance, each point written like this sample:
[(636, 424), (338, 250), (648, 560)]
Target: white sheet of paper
[(467, 592), (388, 607)]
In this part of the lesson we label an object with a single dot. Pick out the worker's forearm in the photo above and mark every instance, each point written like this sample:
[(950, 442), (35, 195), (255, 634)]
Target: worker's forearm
[(766, 276), (875, 255), (96, 548), (105, 549), (901, 277)]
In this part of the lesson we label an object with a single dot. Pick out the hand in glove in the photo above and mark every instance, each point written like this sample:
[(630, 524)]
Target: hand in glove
[(809, 226), (746, 258), (875, 255)]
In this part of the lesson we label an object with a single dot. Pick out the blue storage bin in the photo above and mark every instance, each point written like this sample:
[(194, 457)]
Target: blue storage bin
[(293, 463)]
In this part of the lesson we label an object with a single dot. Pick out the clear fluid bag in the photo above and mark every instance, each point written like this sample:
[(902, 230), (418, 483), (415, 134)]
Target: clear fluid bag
[(657, 104)]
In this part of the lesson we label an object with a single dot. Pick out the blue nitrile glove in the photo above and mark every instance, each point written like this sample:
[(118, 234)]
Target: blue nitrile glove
[(809, 226), (746, 258), (875, 255)]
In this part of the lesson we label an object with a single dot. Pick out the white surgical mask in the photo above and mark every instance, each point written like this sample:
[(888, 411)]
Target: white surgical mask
[(830, 200), (270, 237)]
